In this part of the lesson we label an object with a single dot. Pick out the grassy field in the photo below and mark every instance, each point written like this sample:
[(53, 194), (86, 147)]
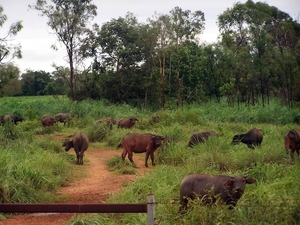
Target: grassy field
[(274, 199)]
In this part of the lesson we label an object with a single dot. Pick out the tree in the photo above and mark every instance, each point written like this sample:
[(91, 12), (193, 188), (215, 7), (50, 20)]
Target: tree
[(69, 19), (7, 50), (8, 73), (118, 49), (263, 40), (35, 82)]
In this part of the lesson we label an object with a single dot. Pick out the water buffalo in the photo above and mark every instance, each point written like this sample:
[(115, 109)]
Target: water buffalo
[(208, 187), (139, 143), (48, 121), (127, 122), (200, 137), (252, 138), (292, 141), (11, 118), (110, 121), (63, 117), (80, 143)]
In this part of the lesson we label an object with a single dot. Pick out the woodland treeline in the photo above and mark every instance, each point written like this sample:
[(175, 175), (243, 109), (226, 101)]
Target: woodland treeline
[(163, 61)]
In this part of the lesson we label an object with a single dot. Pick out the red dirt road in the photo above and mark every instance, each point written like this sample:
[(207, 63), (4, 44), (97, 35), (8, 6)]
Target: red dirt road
[(93, 188)]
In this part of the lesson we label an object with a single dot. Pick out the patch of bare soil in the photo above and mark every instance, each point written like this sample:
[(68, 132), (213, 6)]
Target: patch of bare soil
[(93, 188)]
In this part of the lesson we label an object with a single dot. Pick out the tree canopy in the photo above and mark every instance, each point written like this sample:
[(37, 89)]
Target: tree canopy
[(161, 62)]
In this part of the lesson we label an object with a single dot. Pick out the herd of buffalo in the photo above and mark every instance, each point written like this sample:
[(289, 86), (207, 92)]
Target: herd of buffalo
[(229, 188)]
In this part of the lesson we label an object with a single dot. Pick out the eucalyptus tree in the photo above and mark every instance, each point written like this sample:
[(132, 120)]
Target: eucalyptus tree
[(255, 32), (118, 50), (186, 26), (7, 50), (285, 33), (173, 30), (161, 27), (69, 19), (235, 38)]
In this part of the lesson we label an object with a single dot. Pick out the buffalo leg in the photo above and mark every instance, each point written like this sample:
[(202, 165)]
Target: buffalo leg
[(81, 158), (124, 153), (152, 158), (146, 159), (77, 156), (130, 154)]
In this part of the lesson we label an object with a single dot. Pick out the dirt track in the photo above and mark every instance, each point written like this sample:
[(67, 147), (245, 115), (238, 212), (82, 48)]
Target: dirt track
[(93, 188)]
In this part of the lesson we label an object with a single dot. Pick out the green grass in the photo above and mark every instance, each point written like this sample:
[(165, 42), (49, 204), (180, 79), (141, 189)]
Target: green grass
[(274, 199)]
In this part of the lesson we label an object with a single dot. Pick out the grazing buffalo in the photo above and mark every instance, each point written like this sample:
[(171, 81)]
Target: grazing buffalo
[(292, 141), (208, 187), (200, 137), (63, 117), (10, 118), (80, 143), (139, 143), (155, 117), (252, 138), (110, 121), (48, 121), (127, 122)]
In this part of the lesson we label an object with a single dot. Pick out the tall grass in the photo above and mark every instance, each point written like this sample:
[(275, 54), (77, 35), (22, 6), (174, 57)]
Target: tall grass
[(274, 199)]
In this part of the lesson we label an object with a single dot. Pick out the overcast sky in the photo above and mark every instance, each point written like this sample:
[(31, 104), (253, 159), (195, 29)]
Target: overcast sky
[(36, 38)]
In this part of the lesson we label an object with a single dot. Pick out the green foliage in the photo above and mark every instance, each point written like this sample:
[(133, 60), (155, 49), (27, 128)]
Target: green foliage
[(272, 200), (30, 174), (98, 132), (117, 165)]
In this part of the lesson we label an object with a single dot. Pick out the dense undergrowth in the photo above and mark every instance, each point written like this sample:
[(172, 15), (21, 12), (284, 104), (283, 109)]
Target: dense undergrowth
[(31, 170)]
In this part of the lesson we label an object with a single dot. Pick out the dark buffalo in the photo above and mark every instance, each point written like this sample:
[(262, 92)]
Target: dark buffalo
[(252, 138), (127, 122), (110, 121), (292, 141), (10, 118), (155, 117), (63, 117), (200, 137), (80, 143), (139, 143), (48, 121), (208, 187)]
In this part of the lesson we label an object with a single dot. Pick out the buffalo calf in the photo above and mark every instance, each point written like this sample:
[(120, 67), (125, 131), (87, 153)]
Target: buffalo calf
[(10, 118), (64, 118), (127, 122), (292, 142), (209, 187), (80, 143), (139, 143), (110, 121), (252, 138), (200, 137), (48, 121)]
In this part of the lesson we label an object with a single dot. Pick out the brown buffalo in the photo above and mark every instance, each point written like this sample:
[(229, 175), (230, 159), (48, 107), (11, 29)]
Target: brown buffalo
[(127, 122), (110, 121), (139, 143), (292, 141), (63, 117), (10, 118), (252, 138), (80, 143), (208, 187), (200, 137), (48, 121)]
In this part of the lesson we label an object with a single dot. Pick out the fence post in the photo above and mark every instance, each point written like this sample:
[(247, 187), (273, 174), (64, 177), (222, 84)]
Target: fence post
[(150, 209)]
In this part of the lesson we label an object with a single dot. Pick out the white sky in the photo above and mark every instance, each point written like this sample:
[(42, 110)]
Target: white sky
[(36, 38)]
